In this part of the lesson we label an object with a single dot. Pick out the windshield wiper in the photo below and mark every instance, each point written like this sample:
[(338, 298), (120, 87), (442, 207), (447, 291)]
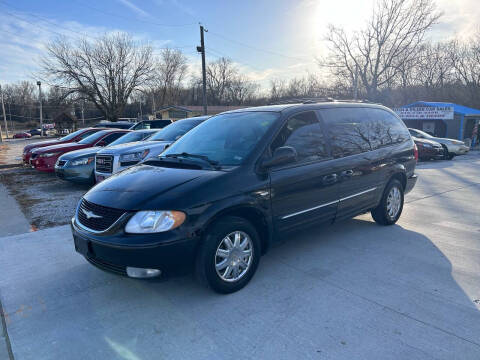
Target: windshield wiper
[(196, 156)]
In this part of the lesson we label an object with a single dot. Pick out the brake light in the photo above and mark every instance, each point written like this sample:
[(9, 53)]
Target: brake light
[(415, 151)]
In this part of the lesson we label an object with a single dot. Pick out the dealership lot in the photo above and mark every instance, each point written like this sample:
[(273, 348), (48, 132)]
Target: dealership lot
[(352, 290)]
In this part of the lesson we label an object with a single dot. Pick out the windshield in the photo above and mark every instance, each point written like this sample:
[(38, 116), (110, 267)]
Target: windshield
[(131, 137), (415, 132), (72, 135), (227, 138), (93, 138), (174, 131)]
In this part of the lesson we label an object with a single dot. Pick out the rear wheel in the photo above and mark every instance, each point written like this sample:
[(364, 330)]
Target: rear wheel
[(229, 255), (391, 205)]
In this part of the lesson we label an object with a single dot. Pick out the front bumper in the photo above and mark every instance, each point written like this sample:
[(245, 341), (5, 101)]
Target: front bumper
[(411, 181), (44, 164), (458, 149), (80, 174), (431, 153), (175, 256)]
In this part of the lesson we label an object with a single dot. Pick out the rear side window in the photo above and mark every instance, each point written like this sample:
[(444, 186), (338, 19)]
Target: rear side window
[(348, 130), (112, 137), (86, 134), (387, 128), (304, 133), (356, 130)]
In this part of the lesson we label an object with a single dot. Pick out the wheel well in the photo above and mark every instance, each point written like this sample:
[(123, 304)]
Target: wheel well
[(400, 177), (255, 217)]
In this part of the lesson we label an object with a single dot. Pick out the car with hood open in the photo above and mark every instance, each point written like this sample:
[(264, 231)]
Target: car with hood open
[(111, 160), (216, 199), (451, 147), (70, 138), (45, 158), (79, 165)]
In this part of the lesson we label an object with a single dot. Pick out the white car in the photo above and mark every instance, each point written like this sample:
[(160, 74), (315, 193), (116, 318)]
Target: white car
[(452, 147), (113, 159)]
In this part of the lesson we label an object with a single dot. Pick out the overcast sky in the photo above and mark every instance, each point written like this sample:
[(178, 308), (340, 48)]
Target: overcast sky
[(266, 38)]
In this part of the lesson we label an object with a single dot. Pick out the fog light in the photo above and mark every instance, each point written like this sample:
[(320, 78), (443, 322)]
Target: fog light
[(142, 273)]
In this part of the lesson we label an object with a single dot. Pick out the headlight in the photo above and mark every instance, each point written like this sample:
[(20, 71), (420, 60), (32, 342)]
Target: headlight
[(48, 154), (427, 145), (137, 156), (154, 221), (82, 161)]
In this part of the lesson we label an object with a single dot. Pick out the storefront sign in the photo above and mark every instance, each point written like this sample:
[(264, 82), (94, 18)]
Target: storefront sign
[(425, 113)]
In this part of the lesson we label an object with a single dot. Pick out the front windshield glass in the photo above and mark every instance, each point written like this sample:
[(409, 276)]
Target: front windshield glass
[(227, 138), (174, 131), (93, 138), (427, 135), (72, 135), (130, 137)]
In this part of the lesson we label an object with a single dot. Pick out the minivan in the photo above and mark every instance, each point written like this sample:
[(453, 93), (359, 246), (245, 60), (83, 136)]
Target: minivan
[(219, 197)]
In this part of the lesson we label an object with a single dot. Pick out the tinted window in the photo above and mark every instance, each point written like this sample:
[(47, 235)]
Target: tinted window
[(348, 130), (386, 129), (131, 137), (112, 137), (93, 138), (304, 133), (74, 134), (174, 131)]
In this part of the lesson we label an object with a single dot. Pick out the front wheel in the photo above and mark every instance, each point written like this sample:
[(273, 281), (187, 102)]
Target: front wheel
[(391, 205), (229, 255)]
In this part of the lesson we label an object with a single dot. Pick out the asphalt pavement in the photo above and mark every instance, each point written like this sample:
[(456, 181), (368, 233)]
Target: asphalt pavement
[(354, 290)]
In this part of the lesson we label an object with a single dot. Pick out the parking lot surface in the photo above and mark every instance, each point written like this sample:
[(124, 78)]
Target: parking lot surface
[(354, 290)]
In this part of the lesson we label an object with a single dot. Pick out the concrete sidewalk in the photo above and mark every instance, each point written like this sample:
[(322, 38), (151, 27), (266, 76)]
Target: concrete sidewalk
[(12, 220), (354, 290)]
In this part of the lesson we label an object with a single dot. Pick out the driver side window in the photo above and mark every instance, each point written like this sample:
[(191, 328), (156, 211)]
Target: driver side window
[(304, 133)]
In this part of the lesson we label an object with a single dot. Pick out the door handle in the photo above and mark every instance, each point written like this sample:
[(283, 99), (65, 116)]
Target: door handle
[(329, 179), (347, 173)]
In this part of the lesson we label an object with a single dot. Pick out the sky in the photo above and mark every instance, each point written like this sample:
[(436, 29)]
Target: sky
[(266, 39)]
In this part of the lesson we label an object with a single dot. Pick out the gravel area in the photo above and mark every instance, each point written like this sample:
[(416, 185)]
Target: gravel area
[(45, 200)]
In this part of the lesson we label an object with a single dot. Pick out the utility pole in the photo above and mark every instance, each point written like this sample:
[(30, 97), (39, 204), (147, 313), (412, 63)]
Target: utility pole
[(40, 103), (201, 49), (83, 114), (3, 109), (355, 84)]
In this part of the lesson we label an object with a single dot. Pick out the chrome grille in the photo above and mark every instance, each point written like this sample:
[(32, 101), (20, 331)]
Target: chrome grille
[(96, 217), (104, 163)]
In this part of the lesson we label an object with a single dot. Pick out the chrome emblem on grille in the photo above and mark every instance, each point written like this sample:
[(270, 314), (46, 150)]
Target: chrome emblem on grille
[(90, 214)]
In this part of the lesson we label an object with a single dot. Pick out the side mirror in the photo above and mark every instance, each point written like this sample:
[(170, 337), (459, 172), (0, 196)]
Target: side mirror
[(101, 143), (281, 155)]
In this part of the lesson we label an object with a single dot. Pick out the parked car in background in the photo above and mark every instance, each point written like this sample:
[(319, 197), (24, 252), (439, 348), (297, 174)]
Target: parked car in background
[(151, 124), (45, 158), (428, 149), (451, 147), (216, 199), (34, 132), (79, 165), (114, 124), (116, 158), (73, 137), (22, 135)]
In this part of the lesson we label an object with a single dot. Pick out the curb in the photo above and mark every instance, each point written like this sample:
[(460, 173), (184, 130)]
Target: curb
[(10, 166)]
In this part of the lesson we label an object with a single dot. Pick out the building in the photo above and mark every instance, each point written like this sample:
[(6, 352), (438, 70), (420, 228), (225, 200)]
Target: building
[(441, 119), (174, 112)]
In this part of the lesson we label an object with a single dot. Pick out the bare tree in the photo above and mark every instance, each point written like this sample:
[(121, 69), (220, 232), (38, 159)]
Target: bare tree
[(391, 37), (170, 73), (105, 72)]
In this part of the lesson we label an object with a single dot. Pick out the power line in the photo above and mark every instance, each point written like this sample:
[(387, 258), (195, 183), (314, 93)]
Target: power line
[(254, 47), (130, 19)]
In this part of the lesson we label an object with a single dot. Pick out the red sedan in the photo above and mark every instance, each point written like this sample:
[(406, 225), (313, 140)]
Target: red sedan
[(73, 137), (22, 135), (44, 158)]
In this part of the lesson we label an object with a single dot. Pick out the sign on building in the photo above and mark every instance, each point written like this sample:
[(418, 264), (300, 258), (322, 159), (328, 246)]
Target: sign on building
[(425, 113)]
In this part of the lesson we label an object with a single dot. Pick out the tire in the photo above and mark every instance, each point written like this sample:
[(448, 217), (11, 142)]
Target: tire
[(382, 214), (447, 155), (214, 253)]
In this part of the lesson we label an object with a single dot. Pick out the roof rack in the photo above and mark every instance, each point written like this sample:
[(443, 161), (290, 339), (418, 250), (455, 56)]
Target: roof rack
[(316, 100)]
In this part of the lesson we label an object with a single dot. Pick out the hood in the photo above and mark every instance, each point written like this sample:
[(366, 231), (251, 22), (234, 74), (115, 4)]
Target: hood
[(81, 153), (138, 187), (61, 148), (41, 144)]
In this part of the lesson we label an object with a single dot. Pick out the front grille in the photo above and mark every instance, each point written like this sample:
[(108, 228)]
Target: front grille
[(104, 163), (117, 269), (33, 156), (99, 217), (62, 163)]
